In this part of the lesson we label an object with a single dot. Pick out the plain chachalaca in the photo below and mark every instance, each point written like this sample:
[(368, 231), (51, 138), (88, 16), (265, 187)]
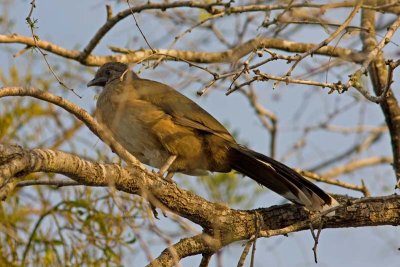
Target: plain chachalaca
[(166, 130)]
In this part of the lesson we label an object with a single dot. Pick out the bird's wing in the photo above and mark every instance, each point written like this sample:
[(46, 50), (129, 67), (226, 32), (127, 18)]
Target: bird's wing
[(184, 111)]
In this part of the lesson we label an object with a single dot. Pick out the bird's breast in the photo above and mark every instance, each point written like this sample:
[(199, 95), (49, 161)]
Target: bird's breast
[(130, 123)]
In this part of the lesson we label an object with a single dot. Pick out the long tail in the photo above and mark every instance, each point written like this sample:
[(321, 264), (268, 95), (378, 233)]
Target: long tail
[(280, 179)]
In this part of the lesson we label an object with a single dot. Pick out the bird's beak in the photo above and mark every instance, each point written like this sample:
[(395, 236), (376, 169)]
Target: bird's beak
[(99, 81)]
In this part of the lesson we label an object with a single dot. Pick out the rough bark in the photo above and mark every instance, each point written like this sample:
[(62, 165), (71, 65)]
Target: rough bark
[(378, 73), (222, 225)]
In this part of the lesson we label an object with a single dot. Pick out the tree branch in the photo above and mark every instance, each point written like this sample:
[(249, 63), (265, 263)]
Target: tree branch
[(379, 78), (231, 55), (225, 225)]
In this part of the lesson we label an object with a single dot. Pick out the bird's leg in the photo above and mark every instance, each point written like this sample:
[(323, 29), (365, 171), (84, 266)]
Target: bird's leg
[(166, 165), (169, 176)]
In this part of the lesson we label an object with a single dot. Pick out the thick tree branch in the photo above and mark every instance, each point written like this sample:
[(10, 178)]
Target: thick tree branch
[(228, 56), (379, 78), (199, 244), (223, 224), (232, 55)]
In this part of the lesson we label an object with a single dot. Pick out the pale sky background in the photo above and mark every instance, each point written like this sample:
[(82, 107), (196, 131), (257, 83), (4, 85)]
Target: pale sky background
[(72, 23)]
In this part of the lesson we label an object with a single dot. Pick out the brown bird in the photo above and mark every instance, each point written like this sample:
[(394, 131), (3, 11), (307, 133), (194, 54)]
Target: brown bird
[(167, 130)]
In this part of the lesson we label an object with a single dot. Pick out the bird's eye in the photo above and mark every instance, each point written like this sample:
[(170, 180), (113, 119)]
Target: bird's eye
[(108, 72)]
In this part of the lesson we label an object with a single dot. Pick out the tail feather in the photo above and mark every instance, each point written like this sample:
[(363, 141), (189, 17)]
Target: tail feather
[(280, 179)]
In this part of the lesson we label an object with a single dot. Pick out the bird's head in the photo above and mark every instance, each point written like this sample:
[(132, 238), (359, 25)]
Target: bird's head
[(107, 73)]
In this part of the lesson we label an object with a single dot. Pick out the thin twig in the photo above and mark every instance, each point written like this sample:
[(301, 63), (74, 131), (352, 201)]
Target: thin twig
[(109, 12), (128, 219), (355, 78), (316, 238), (22, 51), (329, 39), (31, 24), (339, 87), (327, 180), (258, 225), (357, 148), (137, 25), (245, 252), (185, 32), (35, 228)]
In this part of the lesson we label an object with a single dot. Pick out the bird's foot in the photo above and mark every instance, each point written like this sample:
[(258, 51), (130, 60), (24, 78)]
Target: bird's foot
[(169, 177), (153, 209)]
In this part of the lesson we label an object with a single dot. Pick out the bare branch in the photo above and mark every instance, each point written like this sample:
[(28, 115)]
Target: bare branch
[(245, 252), (200, 57), (111, 22), (379, 78), (357, 148), (32, 25), (356, 164), (355, 78), (330, 38), (137, 25), (320, 178), (228, 225)]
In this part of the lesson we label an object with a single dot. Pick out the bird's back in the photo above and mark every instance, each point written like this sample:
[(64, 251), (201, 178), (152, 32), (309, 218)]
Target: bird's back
[(153, 121)]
